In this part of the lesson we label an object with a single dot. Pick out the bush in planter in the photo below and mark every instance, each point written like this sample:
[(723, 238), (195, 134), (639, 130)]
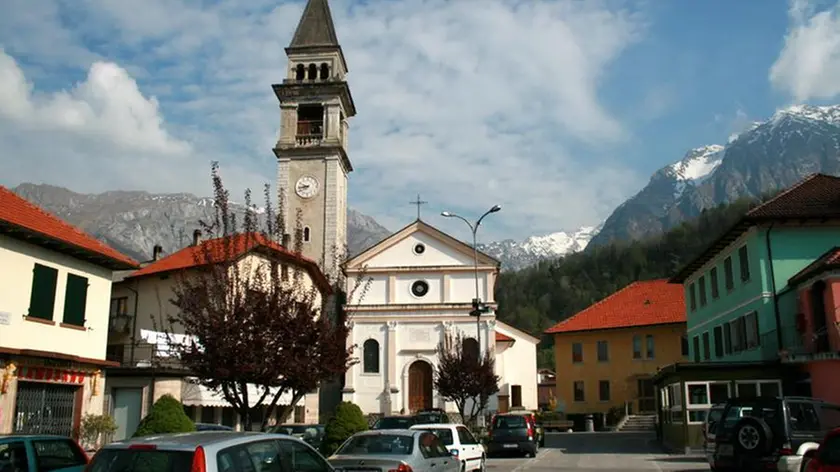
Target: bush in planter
[(347, 421), (166, 416), (96, 430)]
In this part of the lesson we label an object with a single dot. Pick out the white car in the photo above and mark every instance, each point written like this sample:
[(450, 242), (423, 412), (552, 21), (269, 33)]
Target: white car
[(461, 443)]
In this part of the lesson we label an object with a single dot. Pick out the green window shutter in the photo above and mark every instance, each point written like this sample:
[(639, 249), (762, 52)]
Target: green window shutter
[(42, 298), (75, 300)]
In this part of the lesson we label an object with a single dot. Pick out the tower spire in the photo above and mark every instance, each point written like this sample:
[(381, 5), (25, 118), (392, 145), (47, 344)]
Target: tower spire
[(316, 28)]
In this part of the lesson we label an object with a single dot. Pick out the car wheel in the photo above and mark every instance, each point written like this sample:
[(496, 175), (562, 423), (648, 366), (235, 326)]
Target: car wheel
[(752, 437)]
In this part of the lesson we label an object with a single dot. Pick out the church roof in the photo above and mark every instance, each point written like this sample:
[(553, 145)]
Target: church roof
[(316, 28)]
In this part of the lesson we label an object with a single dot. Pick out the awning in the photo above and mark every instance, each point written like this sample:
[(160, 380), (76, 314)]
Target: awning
[(195, 394)]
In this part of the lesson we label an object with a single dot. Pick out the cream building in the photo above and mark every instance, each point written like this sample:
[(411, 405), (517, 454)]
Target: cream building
[(420, 283), (55, 289), (147, 365)]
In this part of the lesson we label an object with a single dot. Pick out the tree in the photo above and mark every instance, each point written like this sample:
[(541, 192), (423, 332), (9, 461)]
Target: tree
[(255, 320), (463, 377), (347, 421), (166, 416)]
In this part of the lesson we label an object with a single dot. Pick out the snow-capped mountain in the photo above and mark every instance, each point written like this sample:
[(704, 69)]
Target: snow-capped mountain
[(767, 156), (516, 255)]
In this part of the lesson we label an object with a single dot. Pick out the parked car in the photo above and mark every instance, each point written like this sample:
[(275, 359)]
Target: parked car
[(461, 444), (394, 422), (712, 417), (432, 415), (394, 450), (209, 451), (311, 433), (30, 453), (513, 432), (827, 456), (761, 433), (212, 427)]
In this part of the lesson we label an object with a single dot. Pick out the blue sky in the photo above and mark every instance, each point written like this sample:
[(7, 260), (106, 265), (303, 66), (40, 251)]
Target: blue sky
[(557, 109)]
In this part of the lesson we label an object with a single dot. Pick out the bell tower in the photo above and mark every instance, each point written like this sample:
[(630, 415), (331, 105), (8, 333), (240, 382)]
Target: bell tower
[(313, 166)]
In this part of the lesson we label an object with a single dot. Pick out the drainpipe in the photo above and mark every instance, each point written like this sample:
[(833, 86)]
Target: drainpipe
[(134, 321), (773, 287)]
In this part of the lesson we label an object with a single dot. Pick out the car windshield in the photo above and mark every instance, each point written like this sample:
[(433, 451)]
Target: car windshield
[(445, 435), (393, 422), (307, 431), (509, 422), (128, 460), (378, 444)]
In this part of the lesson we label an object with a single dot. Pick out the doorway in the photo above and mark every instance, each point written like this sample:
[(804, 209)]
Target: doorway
[(646, 395), (419, 386), (127, 405)]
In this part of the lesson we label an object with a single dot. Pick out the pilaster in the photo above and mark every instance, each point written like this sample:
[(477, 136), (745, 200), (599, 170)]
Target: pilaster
[(391, 383), (392, 287), (445, 291), (350, 375)]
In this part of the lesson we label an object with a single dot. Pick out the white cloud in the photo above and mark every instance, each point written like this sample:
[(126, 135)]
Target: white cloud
[(809, 63), (469, 105)]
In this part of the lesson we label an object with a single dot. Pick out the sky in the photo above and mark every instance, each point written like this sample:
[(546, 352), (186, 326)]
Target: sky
[(557, 110)]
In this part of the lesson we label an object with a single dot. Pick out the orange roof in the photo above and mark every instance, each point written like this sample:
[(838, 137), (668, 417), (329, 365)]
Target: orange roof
[(503, 338), (240, 245), (25, 220), (643, 303)]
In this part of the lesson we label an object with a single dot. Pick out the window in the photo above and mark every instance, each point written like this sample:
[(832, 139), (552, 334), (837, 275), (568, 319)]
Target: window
[(751, 327), (57, 454), (420, 288), (753, 388), (744, 263), (696, 343), (713, 282), (300, 458), (75, 300), (637, 347), (692, 298), (718, 341), (300, 72), (650, 348), (737, 335), (603, 351), (16, 449), (313, 72), (604, 390), (371, 356), (700, 397), (674, 401), (803, 417), (577, 353), (465, 436), (42, 299), (706, 346), (702, 287), (727, 338), (577, 388), (119, 306), (325, 71), (307, 234), (727, 274), (470, 348), (684, 345)]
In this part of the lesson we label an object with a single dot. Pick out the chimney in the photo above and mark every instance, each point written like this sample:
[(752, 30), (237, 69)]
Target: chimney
[(287, 240), (156, 252), (196, 237)]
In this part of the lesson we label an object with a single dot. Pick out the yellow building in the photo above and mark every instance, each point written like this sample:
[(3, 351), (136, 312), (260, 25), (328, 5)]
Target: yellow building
[(607, 354)]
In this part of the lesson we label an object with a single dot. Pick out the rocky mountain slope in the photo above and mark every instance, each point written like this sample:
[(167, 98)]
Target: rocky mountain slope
[(516, 255), (768, 156)]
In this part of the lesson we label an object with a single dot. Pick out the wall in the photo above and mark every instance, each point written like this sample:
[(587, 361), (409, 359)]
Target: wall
[(516, 364), (17, 259), (825, 383), (620, 369)]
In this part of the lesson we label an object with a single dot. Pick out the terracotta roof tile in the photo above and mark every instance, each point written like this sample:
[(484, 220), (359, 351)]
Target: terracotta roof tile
[(828, 261), (18, 215), (218, 250), (503, 338), (643, 303)]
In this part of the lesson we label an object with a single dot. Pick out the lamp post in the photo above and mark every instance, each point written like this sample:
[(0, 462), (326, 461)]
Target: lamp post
[(477, 308)]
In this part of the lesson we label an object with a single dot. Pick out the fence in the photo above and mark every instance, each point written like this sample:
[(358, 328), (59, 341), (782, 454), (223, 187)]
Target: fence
[(143, 354)]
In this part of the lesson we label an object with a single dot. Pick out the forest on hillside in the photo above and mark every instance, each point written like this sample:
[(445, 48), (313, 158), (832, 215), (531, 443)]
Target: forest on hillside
[(536, 298)]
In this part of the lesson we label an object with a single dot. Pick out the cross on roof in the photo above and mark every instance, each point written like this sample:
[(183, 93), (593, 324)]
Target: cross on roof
[(418, 202)]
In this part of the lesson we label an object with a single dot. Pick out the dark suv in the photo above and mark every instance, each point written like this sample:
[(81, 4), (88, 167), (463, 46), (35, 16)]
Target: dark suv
[(770, 433), (514, 433), (431, 416)]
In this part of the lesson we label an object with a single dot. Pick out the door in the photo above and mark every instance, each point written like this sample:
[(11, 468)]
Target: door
[(516, 395), (127, 403), (419, 386), (471, 447), (42, 408), (646, 395)]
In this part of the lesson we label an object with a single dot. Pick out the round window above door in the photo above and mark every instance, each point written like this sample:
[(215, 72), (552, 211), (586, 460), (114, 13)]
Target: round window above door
[(420, 288)]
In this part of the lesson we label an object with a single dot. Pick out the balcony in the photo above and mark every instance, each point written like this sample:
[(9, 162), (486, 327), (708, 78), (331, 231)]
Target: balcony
[(309, 132), (143, 355), (807, 347)]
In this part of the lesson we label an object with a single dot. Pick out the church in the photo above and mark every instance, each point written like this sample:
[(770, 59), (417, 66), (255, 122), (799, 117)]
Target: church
[(420, 281)]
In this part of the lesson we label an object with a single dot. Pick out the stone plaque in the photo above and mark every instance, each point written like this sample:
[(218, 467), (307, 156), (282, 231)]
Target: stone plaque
[(5, 318)]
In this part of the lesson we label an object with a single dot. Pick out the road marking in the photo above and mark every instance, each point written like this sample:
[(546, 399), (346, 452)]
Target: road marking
[(527, 464)]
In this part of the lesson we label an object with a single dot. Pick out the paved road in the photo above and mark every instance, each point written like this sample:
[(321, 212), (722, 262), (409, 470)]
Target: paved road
[(606, 452)]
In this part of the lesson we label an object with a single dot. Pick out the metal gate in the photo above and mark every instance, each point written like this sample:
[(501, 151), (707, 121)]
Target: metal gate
[(45, 408)]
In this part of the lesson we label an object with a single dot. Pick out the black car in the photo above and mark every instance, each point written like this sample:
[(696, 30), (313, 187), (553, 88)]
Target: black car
[(311, 433), (431, 416), (770, 433), (513, 433), (394, 422)]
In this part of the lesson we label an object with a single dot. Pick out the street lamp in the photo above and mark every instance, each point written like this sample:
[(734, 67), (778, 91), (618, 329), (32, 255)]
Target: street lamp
[(477, 308)]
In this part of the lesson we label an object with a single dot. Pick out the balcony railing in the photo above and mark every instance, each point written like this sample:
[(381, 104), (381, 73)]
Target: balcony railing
[(143, 355), (309, 132)]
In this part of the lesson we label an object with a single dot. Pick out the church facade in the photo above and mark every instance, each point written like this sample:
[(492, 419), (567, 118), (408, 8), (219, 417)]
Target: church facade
[(418, 288)]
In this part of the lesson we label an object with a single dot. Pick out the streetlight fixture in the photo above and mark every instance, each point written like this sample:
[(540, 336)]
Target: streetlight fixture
[(478, 309)]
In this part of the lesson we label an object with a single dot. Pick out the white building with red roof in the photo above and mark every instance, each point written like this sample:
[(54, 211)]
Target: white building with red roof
[(55, 293)]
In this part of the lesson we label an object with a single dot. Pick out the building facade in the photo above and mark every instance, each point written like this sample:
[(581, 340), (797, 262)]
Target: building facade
[(607, 354), (56, 287), (140, 338), (418, 288)]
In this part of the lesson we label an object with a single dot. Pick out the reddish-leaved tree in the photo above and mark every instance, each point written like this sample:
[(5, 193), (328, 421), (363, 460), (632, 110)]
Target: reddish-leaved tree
[(257, 320), (465, 377)]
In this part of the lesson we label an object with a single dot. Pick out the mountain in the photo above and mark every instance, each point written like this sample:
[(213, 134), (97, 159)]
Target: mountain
[(518, 255), (768, 156), (133, 222)]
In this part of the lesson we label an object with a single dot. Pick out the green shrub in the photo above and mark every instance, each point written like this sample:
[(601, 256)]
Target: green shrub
[(95, 429), (167, 416), (347, 421)]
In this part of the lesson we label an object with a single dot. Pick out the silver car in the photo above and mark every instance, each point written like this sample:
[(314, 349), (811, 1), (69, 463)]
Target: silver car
[(394, 450), (210, 451)]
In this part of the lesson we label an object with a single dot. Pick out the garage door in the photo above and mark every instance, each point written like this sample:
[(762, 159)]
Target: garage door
[(42, 408)]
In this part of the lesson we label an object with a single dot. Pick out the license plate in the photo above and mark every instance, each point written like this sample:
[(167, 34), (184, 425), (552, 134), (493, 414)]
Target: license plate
[(724, 449), (509, 446)]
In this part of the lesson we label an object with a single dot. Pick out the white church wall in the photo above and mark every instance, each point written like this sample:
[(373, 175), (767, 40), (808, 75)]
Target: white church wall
[(376, 292), (369, 387), (517, 365), (435, 253), (462, 287), (402, 288)]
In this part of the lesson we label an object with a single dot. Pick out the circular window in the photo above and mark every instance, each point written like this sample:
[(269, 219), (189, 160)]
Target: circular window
[(419, 288), (419, 248)]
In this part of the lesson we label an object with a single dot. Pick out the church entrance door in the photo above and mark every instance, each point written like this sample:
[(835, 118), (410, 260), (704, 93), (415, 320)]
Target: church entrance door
[(419, 386)]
